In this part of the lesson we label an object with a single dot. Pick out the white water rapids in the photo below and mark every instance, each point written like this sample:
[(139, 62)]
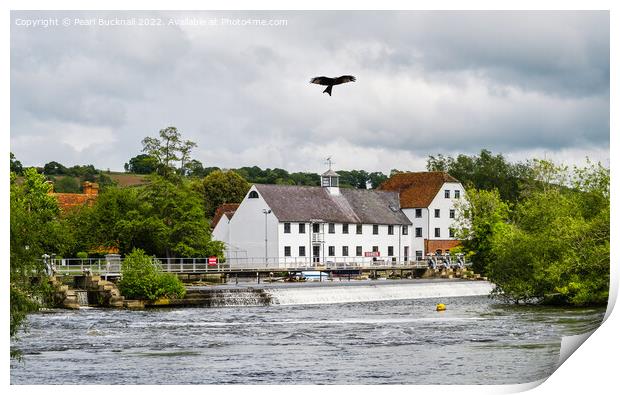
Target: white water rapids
[(376, 292)]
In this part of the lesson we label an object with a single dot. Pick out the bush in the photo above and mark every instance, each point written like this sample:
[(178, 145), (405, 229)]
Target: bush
[(82, 255), (142, 278)]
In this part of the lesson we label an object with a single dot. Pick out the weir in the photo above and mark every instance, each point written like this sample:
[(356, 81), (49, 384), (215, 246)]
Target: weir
[(305, 294), (377, 292)]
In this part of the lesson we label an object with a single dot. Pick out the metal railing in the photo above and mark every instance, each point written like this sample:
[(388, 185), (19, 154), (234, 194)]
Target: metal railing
[(76, 266)]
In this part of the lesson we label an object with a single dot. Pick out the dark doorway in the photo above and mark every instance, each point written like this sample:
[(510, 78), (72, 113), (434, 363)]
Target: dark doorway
[(316, 253)]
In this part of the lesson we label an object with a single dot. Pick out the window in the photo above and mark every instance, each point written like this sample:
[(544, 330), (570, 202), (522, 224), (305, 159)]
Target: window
[(316, 228), (437, 232), (287, 251), (331, 251), (358, 229), (375, 229), (405, 230), (345, 251), (418, 213), (390, 229), (253, 195), (437, 213), (446, 194), (358, 251), (457, 194), (302, 251), (287, 227), (418, 232), (451, 232), (345, 229), (302, 228), (418, 255), (390, 251), (375, 248), (331, 228)]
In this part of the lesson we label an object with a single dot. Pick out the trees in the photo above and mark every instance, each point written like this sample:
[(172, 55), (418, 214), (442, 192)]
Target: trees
[(16, 166), (478, 219), (142, 164), (485, 171), (163, 218), (185, 148), (67, 184), (556, 246), (221, 187), (167, 150), (35, 229), (54, 168)]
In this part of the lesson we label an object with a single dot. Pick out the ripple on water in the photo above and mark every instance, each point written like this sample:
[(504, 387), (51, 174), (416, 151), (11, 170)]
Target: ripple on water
[(405, 342)]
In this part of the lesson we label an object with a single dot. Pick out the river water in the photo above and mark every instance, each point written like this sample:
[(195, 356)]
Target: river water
[(389, 340)]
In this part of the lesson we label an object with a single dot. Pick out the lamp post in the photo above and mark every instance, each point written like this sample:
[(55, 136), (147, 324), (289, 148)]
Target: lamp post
[(266, 212)]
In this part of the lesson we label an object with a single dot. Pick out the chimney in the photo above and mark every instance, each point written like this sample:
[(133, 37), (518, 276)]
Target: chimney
[(90, 188)]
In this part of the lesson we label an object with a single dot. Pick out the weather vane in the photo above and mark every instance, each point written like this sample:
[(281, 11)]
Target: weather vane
[(329, 162)]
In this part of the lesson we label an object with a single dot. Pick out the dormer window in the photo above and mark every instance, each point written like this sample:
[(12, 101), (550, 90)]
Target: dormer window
[(253, 195)]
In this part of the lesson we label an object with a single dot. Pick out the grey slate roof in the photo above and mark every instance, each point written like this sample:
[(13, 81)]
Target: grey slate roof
[(292, 203), (331, 173)]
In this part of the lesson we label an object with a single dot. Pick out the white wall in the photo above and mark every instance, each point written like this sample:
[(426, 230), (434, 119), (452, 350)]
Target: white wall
[(444, 205), (417, 243), (338, 239), (247, 228), (428, 222), (221, 231)]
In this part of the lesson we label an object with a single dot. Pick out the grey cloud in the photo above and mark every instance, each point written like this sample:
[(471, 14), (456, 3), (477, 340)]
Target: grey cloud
[(427, 82)]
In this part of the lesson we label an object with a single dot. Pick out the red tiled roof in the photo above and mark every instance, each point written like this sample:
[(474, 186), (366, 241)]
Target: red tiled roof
[(227, 209), (417, 190), (67, 201)]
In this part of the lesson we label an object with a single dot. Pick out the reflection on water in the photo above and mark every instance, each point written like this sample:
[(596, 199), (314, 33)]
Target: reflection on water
[(476, 341)]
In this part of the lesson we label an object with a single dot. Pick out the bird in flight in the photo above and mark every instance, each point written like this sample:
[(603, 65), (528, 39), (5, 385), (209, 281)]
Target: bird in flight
[(330, 82)]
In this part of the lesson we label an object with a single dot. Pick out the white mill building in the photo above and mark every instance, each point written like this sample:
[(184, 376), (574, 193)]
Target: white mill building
[(287, 225)]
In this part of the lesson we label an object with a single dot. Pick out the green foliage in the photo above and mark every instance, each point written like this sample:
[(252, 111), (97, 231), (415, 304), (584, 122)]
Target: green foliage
[(167, 150), (142, 278), (485, 171), (142, 164), (16, 166), (361, 178), (348, 178), (82, 255), (163, 218), (54, 168), (67, 184), (220, 187), (477, 220), (556, 246), (35, 229)]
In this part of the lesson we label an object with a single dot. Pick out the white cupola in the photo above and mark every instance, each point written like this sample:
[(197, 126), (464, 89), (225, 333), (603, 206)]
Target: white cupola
[(331, 180)]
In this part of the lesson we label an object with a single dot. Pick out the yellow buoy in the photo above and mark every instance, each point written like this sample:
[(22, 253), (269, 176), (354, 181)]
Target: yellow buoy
[(441, 307)]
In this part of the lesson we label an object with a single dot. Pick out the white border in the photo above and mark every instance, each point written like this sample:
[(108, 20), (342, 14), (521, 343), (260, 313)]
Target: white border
[(592, 368)]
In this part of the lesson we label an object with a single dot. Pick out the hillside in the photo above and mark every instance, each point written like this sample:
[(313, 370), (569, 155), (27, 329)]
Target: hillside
[(127, 179)]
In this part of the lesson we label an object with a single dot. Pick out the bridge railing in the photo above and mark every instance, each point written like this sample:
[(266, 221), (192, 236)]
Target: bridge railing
[(75, 266)]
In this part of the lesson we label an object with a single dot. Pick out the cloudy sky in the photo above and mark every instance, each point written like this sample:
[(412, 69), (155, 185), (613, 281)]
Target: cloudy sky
[(525, 84)]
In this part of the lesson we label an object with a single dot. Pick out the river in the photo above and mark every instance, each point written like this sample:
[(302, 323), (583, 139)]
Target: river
[(397, 339)]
